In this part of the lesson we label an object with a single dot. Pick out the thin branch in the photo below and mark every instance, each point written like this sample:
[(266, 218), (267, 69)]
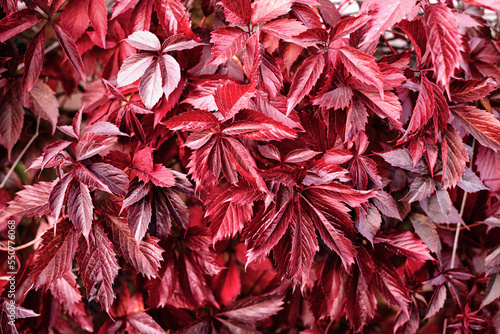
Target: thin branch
[(19, 157), (23, 246)]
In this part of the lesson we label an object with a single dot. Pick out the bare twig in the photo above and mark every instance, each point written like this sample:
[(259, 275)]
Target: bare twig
[(19, 157)]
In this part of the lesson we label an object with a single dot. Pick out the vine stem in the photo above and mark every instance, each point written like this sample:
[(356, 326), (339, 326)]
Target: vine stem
[(23, 246), (19, 157), (458, 228)]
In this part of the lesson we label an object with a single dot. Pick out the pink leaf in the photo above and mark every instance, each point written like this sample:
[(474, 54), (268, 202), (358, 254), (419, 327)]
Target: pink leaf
[(170, 74), (265, 10), (144, 40), (194, 120), (339, 98), (284, 28), (471, 90), (349, 25), (384, 16), (11, 121), (133, 68), (253, 308), (44, 104), (151, 85), (454, 155)]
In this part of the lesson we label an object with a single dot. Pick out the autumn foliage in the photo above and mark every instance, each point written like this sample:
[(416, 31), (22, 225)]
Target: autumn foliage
[(237, 166)]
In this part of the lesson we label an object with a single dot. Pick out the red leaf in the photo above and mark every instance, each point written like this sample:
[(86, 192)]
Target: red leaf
[(362, 303), (391, 286), (70, 49), (227, 42), (172, 16), (253, 308), (143, 159), (488, 166), (454, 157), (75, 18), (305, 78), (471, 90), (64, 290), (17, 22), (121, 6), (139, 217), (368, 221), (151, 85), (405, 243), (481, 124), (231, 98), (178, 43), (423, 187), (300, 155), (11, 121), (58, 194), (265, 10), (32, 201), (237, 12), (350, 25), (384, 16), (98, 267), (363, 67), (192, 120), (424, 108), (339, 98), (284, 28), (161, 176), (144, 40), (56, 254), (437, 301), (144, 256), (33, 61), (98, 14), (80, 208), (444, 41), (115, 180), (256, 126), (144, 323), (133, 68), (44, 104)]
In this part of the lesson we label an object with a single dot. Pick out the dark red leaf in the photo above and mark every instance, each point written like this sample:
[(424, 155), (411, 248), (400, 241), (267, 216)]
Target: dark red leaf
[(80, 208), (57, 253), (98, 267), (253, 309), (471, 90), (75, 18), (139, 217), (454, 155), (69, 47), (98, 15), (11, 121), (32, 201), (237, 12), (482, 125), (44, 104), (33, 61), (17, 22), (227, 41), (231, 98)]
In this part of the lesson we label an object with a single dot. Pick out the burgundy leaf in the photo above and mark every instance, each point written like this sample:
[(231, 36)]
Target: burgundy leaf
[(58, 253), (58, 196), (405, 243), (11, 121), (305, 78), (80, 208), (252, 309), (443, 40), (426, 230), (488, 166), (139, 217), (390, 285), (361, 308), (368, 222), (33, 61), (144, 323), (113, 178), (98, 267), (339, 98), (69, 47), (422, 187), (144, 256), (437, 301), (424, 108), (17, 22), (178, 43)]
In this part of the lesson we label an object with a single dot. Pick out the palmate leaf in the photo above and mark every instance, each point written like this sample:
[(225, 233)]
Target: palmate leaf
[(98, 267), (32, 201)]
